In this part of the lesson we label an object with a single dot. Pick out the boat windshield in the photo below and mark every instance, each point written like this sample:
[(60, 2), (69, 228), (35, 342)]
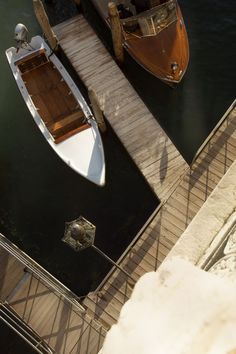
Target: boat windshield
[(151, 22)]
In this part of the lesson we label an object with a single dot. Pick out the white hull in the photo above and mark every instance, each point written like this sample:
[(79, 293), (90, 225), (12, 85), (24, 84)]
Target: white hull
[(83, 152)]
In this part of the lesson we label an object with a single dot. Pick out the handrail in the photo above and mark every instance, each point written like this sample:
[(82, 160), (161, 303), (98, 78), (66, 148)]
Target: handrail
[(57, 287), (10, 318), (136, 238), (41, 273), (25, 339), (221, 121)]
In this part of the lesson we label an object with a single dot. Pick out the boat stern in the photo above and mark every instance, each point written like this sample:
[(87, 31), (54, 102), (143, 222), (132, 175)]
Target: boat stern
[(84, 153)]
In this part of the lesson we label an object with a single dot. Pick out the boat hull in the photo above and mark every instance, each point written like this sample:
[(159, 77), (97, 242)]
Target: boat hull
[(165, 54), (80, 147), (156, 54)]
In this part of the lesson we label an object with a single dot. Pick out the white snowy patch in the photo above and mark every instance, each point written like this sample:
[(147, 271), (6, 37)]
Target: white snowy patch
[(179, 309)]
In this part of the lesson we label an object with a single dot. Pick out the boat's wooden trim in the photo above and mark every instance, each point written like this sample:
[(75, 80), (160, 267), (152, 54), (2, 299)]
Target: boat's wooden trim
[(159, 51), (76, 116), (53, 99), (30, 56), (71, 133), (68, 126), (24, 68), (157, 54), (32, 61)]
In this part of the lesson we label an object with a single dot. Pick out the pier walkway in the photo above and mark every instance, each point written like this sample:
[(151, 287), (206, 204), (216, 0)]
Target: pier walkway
[(182, 189), (140, 133), (61, 324), (68, 327), (154, 241)]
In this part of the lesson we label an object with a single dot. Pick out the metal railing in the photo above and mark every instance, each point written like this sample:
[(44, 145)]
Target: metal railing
[(96, 330), (84, 345), (41, 273), (125, 285), (12, 320), (131, 245), (221, 121)]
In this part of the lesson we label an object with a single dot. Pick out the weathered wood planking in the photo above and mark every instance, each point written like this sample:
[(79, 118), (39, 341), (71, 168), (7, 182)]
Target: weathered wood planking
[(60, 324), (11, 273), (173, 218), (144, 139)]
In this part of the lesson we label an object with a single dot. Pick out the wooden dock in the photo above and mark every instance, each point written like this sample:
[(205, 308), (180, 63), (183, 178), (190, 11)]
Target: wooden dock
[(182, 190), (152, 245), (144, 139)]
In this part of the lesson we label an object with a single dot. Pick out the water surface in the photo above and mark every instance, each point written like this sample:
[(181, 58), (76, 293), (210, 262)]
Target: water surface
[(39, 192)]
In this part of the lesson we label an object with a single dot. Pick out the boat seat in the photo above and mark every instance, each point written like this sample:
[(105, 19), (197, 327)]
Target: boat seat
[(32, 61), (70, 133), (75, 117), (68, 126)]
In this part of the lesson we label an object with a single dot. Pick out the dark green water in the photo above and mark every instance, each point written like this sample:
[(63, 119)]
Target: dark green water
[(13, 343), (39, 192)]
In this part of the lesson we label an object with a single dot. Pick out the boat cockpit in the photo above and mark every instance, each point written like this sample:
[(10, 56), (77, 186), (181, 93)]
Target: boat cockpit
[(157, 16)]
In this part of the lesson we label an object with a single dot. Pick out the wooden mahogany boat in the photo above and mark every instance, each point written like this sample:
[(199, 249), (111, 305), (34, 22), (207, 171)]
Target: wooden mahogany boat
[(58, 108), (154, 34)]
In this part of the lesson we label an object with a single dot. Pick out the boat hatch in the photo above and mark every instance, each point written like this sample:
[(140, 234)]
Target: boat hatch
[(151, 22)]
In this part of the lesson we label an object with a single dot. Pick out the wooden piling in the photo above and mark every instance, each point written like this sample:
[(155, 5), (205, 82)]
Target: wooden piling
[(43, 20), (116, 31), (97, 111)]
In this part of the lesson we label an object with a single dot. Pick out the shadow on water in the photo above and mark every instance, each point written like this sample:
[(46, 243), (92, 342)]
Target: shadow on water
[(39, 192), (13, 343), (189, 112)]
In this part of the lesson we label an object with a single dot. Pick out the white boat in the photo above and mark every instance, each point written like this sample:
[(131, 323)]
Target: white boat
[(58, 108)]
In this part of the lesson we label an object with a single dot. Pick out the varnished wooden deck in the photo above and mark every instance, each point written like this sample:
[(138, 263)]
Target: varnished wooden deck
[(144, 139), (52, 97)]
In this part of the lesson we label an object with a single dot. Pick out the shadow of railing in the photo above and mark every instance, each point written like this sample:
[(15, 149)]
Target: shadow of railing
[(121, 285), (4, 262), (116, 285), (40, 299), (213, 149)]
